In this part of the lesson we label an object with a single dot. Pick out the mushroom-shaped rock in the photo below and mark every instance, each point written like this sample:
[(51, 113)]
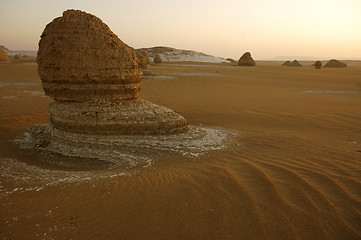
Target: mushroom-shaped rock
[(3, 56), (95, 80), (333, 63), (157, 59), (246, 60), (318, 64)]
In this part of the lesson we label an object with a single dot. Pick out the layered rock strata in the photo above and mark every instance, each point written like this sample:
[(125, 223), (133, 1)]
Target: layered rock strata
[(80, 58), (95, 80), (115, 117)]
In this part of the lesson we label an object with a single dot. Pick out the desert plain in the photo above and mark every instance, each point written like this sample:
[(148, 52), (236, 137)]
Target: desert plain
[(291, 169)]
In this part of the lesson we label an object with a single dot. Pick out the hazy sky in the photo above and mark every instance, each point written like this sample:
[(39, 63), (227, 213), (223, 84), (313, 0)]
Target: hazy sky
[(228, 28)]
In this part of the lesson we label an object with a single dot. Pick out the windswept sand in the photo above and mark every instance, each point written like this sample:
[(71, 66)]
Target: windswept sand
[(291, 171)]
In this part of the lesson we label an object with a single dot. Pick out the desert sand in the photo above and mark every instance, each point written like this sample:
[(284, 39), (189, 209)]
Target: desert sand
[(291, 170)]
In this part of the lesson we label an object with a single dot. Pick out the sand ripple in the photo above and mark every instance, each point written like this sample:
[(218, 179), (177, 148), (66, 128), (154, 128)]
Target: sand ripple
[(237, 191), (293, 171)]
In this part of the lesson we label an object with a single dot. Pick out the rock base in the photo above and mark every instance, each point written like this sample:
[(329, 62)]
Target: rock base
[(126, 150), (127, 117)]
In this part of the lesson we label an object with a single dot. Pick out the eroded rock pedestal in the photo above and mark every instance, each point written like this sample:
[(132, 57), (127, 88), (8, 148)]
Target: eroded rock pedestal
[(95, 80), (115, 117), (97, 115)]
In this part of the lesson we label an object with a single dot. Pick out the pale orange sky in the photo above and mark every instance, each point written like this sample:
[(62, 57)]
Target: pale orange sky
[(321, 28)]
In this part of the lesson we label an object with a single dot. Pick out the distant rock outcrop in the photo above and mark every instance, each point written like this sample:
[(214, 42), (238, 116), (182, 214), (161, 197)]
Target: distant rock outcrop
[(286, 63), (318, 64), (231, 60), (143, 59), (294, 63), (95, 80), (333, 63), (3, 56), (246, 60), (6, 50), (157, 59), (169, 54)]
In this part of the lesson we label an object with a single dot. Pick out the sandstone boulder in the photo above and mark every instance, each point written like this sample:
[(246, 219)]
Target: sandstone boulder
[(294, 63), (286, 63), (246, 60), (333, 63), (157, 59), (143, 59), (318, 64)]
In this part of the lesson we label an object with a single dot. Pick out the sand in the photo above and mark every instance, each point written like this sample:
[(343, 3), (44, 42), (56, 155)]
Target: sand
[(291, 170)]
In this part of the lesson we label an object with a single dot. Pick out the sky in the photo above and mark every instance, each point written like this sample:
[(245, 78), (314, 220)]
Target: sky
[(228, 28)]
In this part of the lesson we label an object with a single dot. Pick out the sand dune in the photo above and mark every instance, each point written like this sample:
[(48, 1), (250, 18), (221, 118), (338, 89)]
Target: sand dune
[(292, 169)]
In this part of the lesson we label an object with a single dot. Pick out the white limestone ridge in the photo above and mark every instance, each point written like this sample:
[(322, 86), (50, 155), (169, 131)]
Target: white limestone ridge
[(169, 54)]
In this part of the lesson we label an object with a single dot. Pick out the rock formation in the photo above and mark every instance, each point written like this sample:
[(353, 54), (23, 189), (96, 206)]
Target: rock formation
[(3, 56), (95, 81), (6, 50), (287, 63), (333, 63), (168, 54), (157, 59), (97, 119), (143, 59), (318, 64), (295, 63), (246, 60), (232, 61)]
